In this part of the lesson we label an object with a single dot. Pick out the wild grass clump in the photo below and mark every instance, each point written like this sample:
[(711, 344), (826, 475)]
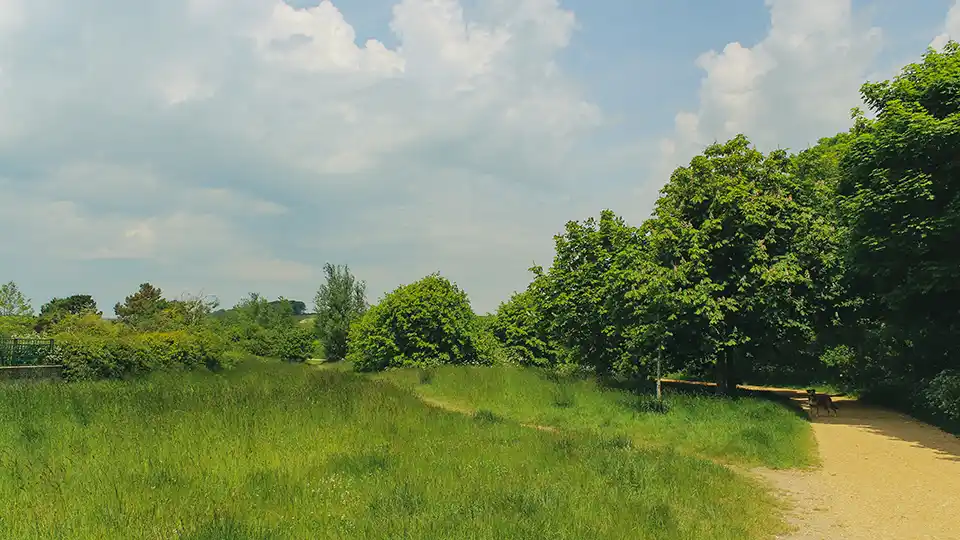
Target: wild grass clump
[(285, 451)]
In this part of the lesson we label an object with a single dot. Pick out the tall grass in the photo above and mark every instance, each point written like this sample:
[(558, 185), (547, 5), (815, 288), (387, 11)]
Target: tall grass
[(288, 451), (744, 431)]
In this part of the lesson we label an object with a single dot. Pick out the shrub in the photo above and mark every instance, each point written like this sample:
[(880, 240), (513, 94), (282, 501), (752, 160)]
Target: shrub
[(942, 396), (90, 356), (284, 342), (490, 350), (180, 349), (520, 328), (91, 324), (16, 326), (86, 357), (843, 360), (293, 344), (426, 323)]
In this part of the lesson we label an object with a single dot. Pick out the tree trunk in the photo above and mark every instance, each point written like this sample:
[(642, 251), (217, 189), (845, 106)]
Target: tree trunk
[(726, 376)]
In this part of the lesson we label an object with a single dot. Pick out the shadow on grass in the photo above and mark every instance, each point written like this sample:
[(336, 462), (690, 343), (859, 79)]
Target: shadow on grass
[(874, 419), (791, 399)]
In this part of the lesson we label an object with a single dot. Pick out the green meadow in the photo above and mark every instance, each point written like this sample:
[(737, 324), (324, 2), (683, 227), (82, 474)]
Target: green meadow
[(274, 451)]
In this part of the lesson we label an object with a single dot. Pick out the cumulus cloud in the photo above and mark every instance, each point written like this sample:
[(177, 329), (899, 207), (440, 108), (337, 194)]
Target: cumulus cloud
[(794, 86), (951, 28), (238, 145)]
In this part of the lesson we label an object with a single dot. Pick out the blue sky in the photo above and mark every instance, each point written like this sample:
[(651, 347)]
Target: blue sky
[(230, 146)]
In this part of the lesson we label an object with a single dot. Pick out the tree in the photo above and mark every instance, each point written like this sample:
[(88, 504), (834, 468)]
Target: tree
[(189, 311), (54, 311), (572, 297), (426, 323), (338, 303), (143, 307), (12, 302), (256, 309), (520, 327), (77, 304), (299, 308), (901, 202), (266, 328), (753, 254)]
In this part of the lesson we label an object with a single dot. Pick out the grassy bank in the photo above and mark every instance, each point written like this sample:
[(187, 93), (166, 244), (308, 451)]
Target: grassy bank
[(745, 431), (287, 451)]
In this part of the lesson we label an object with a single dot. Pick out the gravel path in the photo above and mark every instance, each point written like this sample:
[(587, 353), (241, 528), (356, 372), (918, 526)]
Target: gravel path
[(883, 476)]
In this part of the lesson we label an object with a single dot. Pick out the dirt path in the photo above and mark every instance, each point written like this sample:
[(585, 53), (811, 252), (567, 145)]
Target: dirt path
[(883, 476)]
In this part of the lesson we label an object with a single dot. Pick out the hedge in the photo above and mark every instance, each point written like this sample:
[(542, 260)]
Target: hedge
[(87, 356)]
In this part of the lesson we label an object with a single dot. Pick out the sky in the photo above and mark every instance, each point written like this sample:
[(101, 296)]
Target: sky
[(233, 146)]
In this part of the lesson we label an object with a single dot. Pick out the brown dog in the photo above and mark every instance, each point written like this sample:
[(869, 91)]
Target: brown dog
[(820, 400)]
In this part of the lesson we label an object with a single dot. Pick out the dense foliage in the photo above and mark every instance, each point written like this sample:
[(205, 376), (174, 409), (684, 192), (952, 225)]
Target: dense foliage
[(521, 327), (12, 302), (269, 329), (836, 263), (428, 322), (339, 302)]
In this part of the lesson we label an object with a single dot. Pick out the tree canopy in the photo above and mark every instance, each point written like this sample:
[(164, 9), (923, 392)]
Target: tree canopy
[(13, 303), (339, 302)]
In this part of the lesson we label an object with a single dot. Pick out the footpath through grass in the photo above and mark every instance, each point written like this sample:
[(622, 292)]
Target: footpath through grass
[(277, 451), (744, 431)]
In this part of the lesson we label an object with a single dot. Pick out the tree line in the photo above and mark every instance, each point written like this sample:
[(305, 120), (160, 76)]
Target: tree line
[(838, 263)]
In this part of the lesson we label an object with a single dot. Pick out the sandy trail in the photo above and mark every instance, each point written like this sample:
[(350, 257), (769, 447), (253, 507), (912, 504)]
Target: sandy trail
[(883, 476)]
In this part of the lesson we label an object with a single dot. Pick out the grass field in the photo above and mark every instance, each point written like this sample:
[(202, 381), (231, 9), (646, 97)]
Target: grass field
[(745, 431), (273, 451)]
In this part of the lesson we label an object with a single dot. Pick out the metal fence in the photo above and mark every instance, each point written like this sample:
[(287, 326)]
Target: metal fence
[(25, 351)]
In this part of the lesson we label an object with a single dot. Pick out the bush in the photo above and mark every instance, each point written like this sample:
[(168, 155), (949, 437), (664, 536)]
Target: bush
[(520, 328), (942, 397), (16, 326), (293, 344), (89, 356), (426, 323), (490, 350)]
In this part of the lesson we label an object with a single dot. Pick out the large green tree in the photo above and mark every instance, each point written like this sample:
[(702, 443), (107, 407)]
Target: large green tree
[(142, 308), (572, 296), (901, 202), (747, 258), (338, 303)]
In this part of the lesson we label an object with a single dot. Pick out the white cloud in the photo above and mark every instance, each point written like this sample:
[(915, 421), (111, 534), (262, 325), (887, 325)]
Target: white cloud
[(793, 87), (11, 14), (951, 27), (244, 143), (237, 145)]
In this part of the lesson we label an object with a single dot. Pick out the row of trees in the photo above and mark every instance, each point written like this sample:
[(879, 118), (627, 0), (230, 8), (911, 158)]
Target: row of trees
[(255, 325), (839, 261)]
